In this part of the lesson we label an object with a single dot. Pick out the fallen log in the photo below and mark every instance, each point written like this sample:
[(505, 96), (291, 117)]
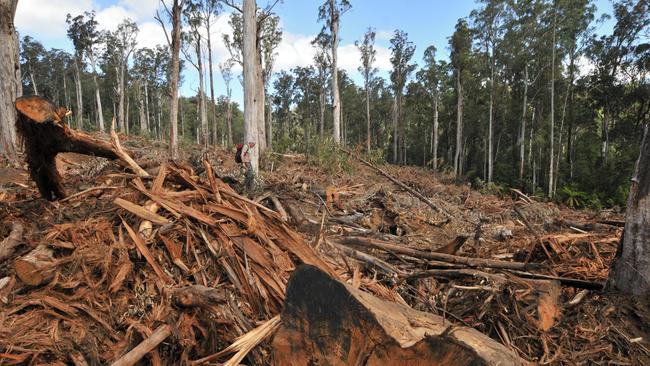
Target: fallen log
[(9, 244), (340, 325), (404, 186), (36, 267), (399, 249), (45, 134)]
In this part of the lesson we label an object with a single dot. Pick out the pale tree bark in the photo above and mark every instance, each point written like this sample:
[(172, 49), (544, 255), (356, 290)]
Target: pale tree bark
[(552, 137), (10, 85), (98, 99), (564, 107), (630, 270), (395, 135), (79, 94), (210, 70), (205, 133), (146, 106), (367, 117), (434, 137), (522, 128), (175, 45), (251, 94), (336, 100), (490, 120), (141, 109), (269, 124), (261, 96), (31, 76), (458, 163)]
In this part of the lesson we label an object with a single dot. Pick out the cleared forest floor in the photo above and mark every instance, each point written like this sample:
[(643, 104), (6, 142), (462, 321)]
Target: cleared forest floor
[(115, 253)]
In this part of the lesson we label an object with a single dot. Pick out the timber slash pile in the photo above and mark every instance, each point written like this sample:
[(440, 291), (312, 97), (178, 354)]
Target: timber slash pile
[(173, 265)]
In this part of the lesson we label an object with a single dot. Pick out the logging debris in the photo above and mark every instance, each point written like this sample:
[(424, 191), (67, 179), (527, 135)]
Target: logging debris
[(176, 267)]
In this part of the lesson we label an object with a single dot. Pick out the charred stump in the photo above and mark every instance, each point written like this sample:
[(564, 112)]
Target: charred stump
[(44, 133), (325, 322)]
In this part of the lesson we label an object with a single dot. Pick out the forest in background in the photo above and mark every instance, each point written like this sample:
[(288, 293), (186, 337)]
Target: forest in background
[(531, 97)]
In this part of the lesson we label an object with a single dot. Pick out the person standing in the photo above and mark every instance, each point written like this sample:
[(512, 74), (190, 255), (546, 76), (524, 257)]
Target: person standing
[(246, 154)]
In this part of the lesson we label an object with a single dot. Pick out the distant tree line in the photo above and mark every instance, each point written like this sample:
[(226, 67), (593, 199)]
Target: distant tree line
[(531, 96)]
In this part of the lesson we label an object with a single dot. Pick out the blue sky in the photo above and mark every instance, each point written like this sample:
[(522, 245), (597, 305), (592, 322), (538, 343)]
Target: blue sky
[(427, 22)]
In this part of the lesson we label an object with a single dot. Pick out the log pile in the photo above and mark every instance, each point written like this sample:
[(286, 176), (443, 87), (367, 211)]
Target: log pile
[(173, 266)]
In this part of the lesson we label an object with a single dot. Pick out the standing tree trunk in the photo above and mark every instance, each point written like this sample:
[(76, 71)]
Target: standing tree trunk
[(251, 94), (269, 125), (100, 114), (630, 270), (31, 76), (174, 74), (213, 106), (490, 121), (395, 119), (522, 129), (121, 119), (458, 161), (205, 133), (321, 105), (368, 117), (143, 118), (79, 94), (10, 85), (336, 100), (434, 138), (261, 96), (552, 137)]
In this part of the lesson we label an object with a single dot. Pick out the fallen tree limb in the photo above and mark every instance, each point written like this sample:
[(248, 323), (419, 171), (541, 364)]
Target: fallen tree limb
[(371, 260), (9, 244), (399, 183), (341, 325), (399, 249), (571, 282), (146, 346)]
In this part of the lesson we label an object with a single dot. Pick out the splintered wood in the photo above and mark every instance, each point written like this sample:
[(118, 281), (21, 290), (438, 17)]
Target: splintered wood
[(172, 265), (222, 257)]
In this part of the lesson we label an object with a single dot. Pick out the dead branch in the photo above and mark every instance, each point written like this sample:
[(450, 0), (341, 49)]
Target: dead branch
[(146, 346), (470, 262), (399, 183)]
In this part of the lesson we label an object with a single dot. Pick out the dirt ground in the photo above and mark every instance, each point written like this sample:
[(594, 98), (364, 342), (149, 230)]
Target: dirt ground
[(543, 319)]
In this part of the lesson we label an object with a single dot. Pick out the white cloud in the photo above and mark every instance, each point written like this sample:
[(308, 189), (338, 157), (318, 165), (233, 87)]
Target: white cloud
[(151, 34), (46, 19), (383, 35), (109, 18)]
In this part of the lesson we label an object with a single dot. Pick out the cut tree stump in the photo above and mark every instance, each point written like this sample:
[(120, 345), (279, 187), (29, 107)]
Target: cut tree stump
[(44, 133), (325, 322), (36, 267)]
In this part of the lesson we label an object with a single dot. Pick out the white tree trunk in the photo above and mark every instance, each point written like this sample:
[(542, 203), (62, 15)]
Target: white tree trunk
[(630, 270), (205, 133), (336, 100), (434, 139), (210, 67), (552, 137), (367, 117), (98, 99), (522, 131), (251, 94), (490, 122), (395, 135), (458, 169), (174, 75), (79, 95), (10, 85)]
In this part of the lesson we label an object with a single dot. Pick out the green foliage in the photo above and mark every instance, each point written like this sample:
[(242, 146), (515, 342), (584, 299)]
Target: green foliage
[(572, 197), (326, 154)]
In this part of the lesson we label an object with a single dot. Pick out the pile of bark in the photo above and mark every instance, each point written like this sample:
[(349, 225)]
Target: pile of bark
[(173, 266), (169, 264)]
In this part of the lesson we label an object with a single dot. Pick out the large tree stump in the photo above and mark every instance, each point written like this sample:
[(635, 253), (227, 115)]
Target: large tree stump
[(325, 322), (36, 267), (44, 133)]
